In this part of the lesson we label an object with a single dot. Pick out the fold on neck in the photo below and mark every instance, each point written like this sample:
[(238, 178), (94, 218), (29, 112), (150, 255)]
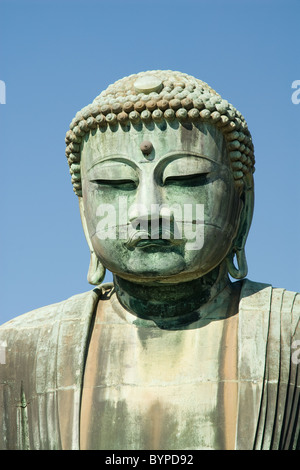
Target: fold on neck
[(168, 304)]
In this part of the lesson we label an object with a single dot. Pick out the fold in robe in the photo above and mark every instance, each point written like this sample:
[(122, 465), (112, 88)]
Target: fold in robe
[(45, 355)]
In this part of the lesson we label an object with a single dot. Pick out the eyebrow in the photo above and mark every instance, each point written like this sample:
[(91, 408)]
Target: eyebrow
[(121, 158), (182, 154)]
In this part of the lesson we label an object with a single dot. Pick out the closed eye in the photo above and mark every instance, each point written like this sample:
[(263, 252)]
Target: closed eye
[(186, 180), (119, 183)]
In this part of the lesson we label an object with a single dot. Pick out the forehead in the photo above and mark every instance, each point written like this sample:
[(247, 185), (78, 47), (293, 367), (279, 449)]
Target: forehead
[(203, 140)]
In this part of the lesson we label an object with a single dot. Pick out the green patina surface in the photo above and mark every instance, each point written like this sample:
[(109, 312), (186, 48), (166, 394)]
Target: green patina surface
[(173, 355)]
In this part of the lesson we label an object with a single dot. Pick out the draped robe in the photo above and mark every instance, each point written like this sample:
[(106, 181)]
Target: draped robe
[(42, 380)]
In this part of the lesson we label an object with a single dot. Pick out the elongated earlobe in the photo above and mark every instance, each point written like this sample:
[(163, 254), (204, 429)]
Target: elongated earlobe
[(96, 271), (241, 271), (238, 246)]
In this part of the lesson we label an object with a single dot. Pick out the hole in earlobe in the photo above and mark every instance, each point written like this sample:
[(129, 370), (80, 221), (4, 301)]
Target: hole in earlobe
[(241, 270)]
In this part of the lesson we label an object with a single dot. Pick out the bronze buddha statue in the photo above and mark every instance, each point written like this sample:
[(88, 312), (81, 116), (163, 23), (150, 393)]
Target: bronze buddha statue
[(173, 354)]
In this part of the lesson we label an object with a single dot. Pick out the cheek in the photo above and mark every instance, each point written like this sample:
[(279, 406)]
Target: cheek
[(223, 205), (218, 198), (213, 239), (207, 250), (103, 206), (91, 203)]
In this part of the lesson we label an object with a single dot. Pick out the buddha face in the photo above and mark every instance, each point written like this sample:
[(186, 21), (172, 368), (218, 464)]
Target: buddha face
[(159, 201)]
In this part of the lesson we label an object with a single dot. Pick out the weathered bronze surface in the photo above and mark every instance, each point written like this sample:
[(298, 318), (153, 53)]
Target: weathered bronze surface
[(172, 355)]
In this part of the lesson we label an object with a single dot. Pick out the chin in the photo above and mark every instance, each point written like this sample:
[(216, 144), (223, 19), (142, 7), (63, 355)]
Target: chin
[(146, 272), (169, 275)]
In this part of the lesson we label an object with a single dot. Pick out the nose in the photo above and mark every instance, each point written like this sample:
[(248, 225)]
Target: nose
[(148, 200)]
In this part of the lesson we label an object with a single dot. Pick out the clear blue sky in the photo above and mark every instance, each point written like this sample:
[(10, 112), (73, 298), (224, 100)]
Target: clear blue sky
[(56, 56)]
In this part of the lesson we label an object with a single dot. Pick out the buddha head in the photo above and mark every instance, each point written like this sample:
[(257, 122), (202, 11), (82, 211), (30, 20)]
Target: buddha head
[(163, 169)]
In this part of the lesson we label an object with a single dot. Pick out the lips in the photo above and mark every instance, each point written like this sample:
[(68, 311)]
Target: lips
[(152, 242), (142, 239)]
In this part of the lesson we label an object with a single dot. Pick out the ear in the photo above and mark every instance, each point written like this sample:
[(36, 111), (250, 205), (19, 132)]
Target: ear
[(96, 270), (238, 245)]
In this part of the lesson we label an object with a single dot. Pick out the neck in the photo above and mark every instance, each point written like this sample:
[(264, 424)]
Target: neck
[(176, 303)]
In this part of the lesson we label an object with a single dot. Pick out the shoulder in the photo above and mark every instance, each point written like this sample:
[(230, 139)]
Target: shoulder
[(272, 294), (36, 336), (279, 302), (43, 316)]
